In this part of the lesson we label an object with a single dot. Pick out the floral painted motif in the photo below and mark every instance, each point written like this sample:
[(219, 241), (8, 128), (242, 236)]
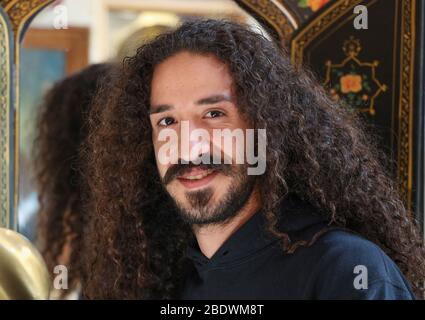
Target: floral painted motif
[(313, 5), (352, 81)]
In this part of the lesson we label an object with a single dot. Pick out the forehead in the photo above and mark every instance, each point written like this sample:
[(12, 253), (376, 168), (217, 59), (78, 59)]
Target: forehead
[(189, 76)]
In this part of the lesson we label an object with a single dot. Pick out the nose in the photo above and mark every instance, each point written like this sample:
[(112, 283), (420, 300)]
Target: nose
[(194, 142)]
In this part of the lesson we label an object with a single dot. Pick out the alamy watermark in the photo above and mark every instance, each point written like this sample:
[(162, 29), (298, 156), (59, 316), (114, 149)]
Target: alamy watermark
[(223, 146), (361, 280), (361, 20), (60, 20), (60, 282)]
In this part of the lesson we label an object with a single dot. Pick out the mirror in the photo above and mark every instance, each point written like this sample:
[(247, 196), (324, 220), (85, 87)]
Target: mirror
[(61, 41)]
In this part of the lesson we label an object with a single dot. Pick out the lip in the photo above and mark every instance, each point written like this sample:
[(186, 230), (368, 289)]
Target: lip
[(192, 184)]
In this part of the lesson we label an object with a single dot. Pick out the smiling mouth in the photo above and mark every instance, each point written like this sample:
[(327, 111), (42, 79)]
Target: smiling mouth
[(197, 178)]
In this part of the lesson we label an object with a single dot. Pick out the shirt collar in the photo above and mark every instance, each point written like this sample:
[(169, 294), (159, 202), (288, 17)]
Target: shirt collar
[(296, 218)]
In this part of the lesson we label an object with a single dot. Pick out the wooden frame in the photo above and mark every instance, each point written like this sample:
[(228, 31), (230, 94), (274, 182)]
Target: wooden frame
[(72, 41)]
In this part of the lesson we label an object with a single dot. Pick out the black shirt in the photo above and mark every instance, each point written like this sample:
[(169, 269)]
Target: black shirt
[(251, 264)]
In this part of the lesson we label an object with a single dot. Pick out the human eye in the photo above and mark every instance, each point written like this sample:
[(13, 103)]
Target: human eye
[(214, 114), (165, 122)]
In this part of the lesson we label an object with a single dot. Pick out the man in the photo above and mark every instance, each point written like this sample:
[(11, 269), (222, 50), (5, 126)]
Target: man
[(198, 228)]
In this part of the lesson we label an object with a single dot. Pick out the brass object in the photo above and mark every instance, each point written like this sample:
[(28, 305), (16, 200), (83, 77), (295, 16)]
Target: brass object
[(23, 273)]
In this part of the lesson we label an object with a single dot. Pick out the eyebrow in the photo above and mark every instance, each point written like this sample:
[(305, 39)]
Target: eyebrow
[(214, 99), (208, 100), (160, 108)]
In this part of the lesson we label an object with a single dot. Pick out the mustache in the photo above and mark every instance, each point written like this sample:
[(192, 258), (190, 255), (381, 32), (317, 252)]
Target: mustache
[(183, 167)]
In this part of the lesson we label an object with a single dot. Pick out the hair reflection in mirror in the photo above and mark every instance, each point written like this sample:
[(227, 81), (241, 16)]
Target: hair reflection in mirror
[(61, 131)]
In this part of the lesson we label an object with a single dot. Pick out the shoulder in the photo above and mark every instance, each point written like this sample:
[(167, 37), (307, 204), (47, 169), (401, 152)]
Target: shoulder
[(352, 267), (347, 248)]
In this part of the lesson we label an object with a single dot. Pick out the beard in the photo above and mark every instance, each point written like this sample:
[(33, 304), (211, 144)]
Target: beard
[(200, 209)]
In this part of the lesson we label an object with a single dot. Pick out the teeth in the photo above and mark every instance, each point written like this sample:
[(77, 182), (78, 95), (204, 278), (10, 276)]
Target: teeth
[(199, 176)]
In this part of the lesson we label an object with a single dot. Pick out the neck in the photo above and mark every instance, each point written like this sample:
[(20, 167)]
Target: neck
[(211, 237)]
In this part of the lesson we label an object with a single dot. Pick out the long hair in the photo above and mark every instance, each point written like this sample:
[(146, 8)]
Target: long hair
[(61, 131), (316, 149)]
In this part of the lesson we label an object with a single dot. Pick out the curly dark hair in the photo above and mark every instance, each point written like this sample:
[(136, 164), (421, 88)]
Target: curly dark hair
[(60, 132), (316, 149)]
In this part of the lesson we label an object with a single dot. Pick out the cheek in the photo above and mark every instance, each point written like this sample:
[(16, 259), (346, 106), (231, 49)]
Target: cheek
[(162, 169), (222, 183), (160, 162), (166, 154)]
